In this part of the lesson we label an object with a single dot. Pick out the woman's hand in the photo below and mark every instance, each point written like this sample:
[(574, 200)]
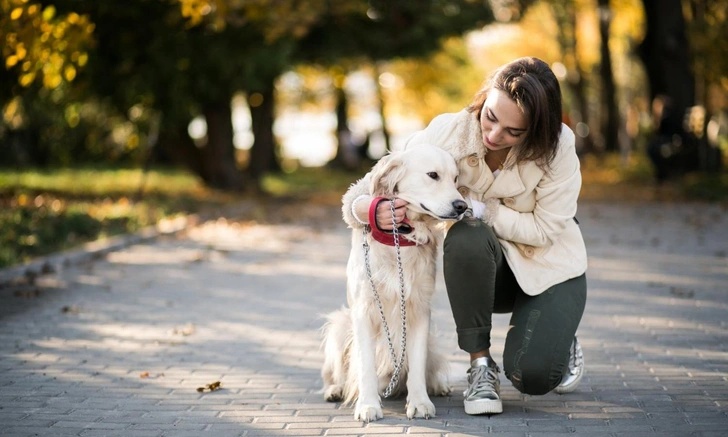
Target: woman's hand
[(384, 213)]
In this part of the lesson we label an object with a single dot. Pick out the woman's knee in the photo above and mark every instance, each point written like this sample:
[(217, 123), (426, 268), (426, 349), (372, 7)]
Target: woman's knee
[(532, 375), (467, 238)]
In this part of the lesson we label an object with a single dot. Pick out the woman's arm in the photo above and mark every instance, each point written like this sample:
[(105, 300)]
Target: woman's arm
[(359, 192), (556, 201)]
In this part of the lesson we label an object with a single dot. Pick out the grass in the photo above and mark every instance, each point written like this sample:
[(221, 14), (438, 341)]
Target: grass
[(43, 212), (612, 178)]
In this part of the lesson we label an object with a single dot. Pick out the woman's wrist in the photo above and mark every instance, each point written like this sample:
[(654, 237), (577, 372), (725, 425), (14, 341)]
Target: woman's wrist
[(356, 209)]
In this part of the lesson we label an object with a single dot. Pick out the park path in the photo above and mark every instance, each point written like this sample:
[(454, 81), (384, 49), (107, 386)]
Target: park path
[(120, 345)]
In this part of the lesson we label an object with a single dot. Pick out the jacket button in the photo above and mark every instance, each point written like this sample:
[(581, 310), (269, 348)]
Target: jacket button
[(509, 201), (463, 191), (529, 251), (473, 161)]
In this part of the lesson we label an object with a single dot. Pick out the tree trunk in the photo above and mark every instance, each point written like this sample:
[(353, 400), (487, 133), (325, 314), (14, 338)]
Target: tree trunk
[(610, 116), (176, 143), (665, 54), (566, 18), (263, 157), (219, 152), (347, 153), (710, 158), (380, 97)]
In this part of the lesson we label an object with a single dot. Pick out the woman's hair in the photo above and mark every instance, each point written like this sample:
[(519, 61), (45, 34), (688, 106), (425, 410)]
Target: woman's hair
[(535, 89)]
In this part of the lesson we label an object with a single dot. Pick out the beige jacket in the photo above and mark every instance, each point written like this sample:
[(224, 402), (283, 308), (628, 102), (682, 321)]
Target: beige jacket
[(531, 212)]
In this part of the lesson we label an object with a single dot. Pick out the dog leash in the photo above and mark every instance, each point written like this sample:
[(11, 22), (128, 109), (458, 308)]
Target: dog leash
[(398, 364)]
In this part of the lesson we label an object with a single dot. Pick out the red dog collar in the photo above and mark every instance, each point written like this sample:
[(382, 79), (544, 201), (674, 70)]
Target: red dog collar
[(386, 237)]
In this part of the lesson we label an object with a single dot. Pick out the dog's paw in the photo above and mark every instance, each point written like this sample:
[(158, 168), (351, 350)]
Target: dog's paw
[(367, 412), (420, 407), (334, 393)]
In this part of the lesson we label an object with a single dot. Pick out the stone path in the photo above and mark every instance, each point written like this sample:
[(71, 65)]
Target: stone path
[(120, 346)]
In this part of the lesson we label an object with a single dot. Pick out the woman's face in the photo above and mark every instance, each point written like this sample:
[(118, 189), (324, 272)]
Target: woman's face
[(501, 121)]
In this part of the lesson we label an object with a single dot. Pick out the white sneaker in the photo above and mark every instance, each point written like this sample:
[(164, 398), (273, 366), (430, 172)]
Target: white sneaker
[(483, 393), (575, 370)]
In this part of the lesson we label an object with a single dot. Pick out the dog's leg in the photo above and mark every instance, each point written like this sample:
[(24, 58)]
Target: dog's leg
[(368, 406), (437, 369), (418, 403)]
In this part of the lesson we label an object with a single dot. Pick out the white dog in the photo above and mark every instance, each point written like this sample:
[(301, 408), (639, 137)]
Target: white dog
[(358, 363)]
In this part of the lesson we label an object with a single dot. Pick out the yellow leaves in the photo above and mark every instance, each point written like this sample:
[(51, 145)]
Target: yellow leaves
[(69, 73), (42, 44), (20, 51), (82, 59), (13, 113), (51, 80), (27, 79), (49, 12), (195, 10), (277, 18), (73, 115)]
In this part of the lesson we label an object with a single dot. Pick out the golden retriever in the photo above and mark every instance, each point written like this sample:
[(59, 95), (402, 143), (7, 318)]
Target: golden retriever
[(358, 364)]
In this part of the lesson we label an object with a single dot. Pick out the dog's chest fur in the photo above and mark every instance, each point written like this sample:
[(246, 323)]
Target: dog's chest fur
[(418, 267)]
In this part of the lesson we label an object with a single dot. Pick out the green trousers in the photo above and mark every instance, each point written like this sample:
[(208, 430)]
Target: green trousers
[(479, 283)]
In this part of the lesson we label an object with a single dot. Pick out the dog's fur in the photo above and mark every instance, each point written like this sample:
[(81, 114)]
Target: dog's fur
[(358, 365)]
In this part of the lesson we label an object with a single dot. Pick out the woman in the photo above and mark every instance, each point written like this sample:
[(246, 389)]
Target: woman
[(519, 250)]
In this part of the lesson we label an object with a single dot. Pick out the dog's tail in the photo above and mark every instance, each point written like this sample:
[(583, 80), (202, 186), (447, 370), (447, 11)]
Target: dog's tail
[(337, 340)]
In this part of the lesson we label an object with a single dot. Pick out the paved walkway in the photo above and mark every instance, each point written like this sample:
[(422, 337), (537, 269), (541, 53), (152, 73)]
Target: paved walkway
[(119, 346)]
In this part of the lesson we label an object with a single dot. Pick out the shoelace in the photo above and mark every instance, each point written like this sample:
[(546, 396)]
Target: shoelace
[(483, 383)]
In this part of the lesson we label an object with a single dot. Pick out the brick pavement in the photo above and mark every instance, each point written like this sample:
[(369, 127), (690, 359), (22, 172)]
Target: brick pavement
[(118, 347)]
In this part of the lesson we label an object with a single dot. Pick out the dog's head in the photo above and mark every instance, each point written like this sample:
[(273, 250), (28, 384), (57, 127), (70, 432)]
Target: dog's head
[(423, 175)]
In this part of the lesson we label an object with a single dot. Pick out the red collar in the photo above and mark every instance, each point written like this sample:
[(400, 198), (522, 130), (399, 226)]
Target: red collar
[(386, 237)]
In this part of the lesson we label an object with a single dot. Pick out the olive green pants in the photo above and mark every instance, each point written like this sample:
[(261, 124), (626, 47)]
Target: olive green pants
[(479, 283)]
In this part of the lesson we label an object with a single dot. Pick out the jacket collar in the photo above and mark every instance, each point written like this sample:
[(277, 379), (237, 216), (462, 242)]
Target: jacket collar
[(507, 184), (468, 140)]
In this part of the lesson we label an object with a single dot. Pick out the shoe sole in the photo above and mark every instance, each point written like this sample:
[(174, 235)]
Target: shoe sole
[(572, 387), (483, 407)]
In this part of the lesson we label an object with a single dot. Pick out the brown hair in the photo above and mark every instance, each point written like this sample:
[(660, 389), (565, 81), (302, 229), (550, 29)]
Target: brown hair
[(535, 89)]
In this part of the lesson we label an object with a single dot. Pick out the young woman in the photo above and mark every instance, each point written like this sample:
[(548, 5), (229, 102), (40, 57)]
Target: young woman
[(519, 249)]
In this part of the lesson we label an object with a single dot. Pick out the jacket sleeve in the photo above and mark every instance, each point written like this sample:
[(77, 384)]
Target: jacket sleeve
[(355, 190), (556, 201)]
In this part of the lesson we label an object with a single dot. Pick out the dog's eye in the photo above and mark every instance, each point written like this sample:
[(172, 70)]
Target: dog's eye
[(433, 175), (456, 179)]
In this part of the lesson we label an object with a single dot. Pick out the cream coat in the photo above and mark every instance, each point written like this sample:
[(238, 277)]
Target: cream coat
[(531, 211)]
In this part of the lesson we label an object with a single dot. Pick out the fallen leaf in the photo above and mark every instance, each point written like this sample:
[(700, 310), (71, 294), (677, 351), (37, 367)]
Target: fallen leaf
[(72, 309), (28, 294), (211, 386), (681, 292)]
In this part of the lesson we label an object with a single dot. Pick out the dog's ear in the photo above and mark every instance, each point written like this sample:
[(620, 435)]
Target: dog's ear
[(385, 175)]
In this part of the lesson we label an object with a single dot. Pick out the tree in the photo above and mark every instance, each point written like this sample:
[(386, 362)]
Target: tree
[(666, 54), (610, 114), (707, 27), (43, 53), (565, 15), (385, 30)]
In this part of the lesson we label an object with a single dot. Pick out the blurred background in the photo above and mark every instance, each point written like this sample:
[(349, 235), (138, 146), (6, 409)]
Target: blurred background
[(117, 114)]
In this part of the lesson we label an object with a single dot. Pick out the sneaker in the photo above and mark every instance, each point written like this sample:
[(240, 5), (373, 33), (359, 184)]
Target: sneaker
[(575, 371), (483, 393)]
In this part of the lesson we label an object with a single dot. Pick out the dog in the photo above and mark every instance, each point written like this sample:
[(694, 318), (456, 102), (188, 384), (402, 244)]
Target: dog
[(358, 363)]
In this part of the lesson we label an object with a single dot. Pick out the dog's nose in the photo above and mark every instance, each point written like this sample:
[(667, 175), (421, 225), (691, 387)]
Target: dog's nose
[(460, 206)]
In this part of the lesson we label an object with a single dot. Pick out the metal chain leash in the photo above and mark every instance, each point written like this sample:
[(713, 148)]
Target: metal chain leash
[(398, 364)]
